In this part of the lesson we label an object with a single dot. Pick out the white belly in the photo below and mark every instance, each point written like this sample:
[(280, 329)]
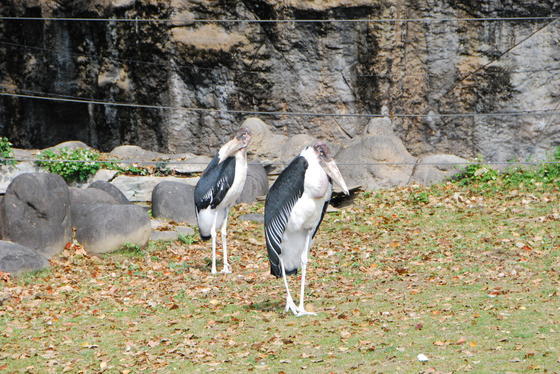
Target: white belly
[(304, 218), (238, 181)]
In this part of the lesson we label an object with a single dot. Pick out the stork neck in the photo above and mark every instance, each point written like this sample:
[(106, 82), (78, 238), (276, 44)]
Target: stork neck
[(310, 155), (241, 155), (227, 150)]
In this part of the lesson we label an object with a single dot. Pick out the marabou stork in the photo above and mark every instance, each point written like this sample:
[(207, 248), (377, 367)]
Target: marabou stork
[(294, 209), (218, 189)]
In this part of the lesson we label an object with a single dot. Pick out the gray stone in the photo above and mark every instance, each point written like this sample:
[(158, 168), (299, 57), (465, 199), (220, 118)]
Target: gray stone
[(26, 154), (164, 235), (192, 165), (295, 145), (90, 196), (185, 230), (139, 188), (36, 212), (1, 215), (15, 258), (256, 183), (102, 228), (362, 162), (104, 175), (71, 144), (175, 201), (134, 152), (110, 189), (381, 126), (9, 172), (265, 145), (253, 217), (437, 168)]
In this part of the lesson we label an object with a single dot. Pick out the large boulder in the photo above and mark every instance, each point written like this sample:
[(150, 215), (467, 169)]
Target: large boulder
[(375, 162), (138, 188), (36, 212), (175, 201), (15, 258), (437, 168), (71, 144), (295, 145), (111, 190), (90, 196), (256, 183), (102, 228), (265, 144), (134, 152)]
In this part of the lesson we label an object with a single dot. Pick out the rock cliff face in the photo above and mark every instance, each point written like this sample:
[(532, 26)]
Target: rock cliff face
[(411, 67)]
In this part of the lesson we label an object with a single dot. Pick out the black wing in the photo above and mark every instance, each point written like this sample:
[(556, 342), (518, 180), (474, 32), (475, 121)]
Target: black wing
[(214, 183), (281, 198)]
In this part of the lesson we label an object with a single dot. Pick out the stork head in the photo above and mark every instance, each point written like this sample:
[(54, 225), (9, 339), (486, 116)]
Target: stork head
[(239, 142), (327, 163), (243, 136)]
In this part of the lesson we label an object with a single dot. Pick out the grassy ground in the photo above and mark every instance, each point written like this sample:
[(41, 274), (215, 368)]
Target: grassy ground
[(468, 278)]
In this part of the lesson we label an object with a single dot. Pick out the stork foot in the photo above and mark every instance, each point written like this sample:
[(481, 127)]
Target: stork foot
[(226, 269), (291, 306), (305, 313)]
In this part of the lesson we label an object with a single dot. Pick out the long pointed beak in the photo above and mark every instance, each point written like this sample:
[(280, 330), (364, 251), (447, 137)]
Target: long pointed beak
[(332, 171)]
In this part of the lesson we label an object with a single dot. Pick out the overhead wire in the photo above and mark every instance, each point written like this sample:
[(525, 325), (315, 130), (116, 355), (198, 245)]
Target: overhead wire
[(167, 162), (66, 98), (241, 20)]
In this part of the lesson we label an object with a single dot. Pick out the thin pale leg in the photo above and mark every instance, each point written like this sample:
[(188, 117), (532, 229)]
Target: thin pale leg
[(290, 305), (213, 234), (227, 268), (301, 308)]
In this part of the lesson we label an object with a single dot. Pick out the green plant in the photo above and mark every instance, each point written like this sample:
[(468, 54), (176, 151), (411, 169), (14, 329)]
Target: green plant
[(476, 173), (6, 152), (483, 178), (71, 164), (420, 197), (187, 239)]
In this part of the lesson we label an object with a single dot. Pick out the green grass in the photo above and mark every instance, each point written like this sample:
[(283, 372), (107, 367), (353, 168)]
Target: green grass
[(469, 279)]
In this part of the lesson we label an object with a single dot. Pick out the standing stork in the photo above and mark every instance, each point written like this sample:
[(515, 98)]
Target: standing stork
[(218, 189), (294, 209)]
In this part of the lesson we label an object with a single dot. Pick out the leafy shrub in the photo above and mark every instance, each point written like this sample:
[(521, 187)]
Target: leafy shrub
[(482, 177), (476, 173), (70, 171), (6, 151)]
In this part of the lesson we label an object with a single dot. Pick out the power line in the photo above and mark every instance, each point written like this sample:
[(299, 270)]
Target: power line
[(273, 113), (359, 20), (187, 162)]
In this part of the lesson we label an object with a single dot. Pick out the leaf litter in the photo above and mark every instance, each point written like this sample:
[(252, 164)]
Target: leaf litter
[(468, 280)]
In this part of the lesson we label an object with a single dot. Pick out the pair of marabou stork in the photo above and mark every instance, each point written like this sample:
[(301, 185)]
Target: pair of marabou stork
[(295, 206)]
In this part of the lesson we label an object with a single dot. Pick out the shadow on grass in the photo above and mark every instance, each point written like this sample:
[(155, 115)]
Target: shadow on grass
[(266, 306)]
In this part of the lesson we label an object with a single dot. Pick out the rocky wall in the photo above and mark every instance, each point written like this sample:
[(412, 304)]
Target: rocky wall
[(407, 67)]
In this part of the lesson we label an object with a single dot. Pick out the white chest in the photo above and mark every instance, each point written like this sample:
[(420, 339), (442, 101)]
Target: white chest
[(238, 181), (317, 183), (307, 211)]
